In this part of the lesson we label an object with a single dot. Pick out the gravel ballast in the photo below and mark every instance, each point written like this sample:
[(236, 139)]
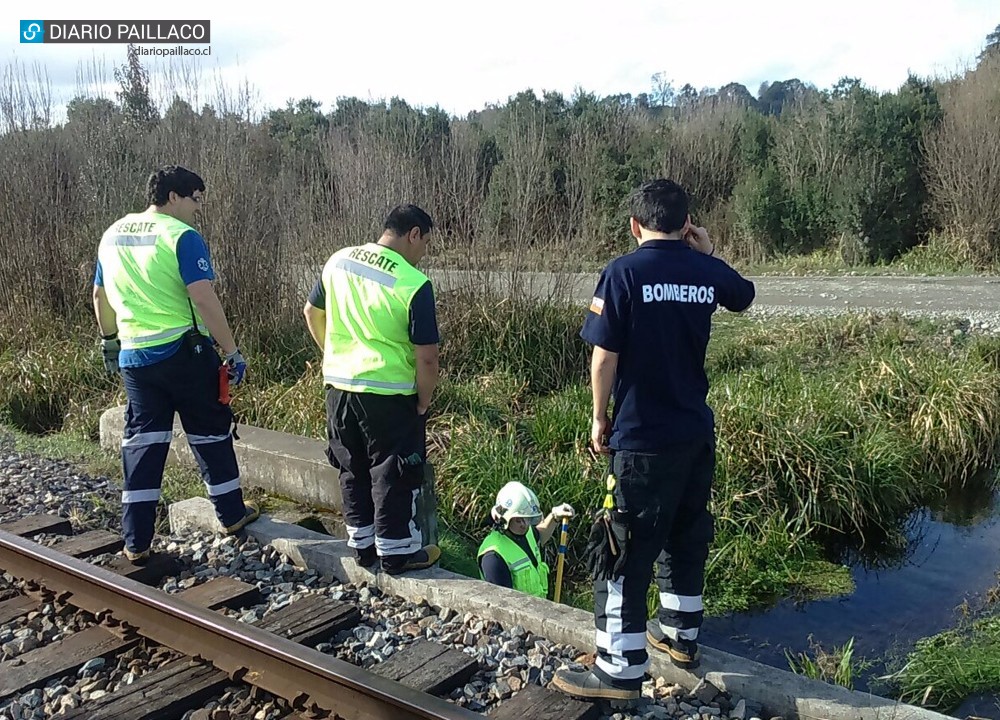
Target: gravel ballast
[(509, 658)]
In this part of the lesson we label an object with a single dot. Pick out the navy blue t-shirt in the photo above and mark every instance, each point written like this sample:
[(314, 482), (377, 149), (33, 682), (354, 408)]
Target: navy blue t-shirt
[(423, 329), (653, 307)]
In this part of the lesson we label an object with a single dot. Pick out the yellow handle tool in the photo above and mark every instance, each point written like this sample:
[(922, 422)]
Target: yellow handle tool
[(563, 539)]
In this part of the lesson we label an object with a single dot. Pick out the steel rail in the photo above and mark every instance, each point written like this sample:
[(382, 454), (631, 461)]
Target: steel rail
[(309, 679)]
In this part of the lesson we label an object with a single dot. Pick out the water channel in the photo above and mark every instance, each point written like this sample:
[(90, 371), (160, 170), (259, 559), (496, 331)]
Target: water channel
[(951, 557)]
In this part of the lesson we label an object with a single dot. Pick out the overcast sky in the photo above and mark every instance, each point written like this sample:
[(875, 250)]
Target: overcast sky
[(463, 55)]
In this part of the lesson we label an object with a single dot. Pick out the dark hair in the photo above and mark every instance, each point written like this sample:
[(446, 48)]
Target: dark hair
[(660, 205), (404, 218), (172, 178)]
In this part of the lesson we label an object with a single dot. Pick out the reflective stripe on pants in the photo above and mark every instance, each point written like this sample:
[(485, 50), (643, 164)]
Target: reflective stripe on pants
[(664, 496), (377, 443), (187, 383)]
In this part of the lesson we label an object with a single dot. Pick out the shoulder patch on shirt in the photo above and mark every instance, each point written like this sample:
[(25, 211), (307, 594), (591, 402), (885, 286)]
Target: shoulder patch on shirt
[(597, 306), (203, 264)]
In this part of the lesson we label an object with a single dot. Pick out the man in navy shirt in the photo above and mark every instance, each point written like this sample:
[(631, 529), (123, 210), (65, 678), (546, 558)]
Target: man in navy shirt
[(649, 323)]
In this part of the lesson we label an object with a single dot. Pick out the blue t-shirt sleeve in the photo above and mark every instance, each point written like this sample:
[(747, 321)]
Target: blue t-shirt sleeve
[(736, 293), (317, 298), (423, 318), (495, 570), (193, 259), (608, 315), (99, 275)]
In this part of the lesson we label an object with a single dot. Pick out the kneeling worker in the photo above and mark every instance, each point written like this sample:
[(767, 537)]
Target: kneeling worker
[(511, 554)]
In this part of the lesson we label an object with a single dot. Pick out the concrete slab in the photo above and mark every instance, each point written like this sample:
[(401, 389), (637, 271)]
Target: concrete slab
[(282, 464), (781, 692)]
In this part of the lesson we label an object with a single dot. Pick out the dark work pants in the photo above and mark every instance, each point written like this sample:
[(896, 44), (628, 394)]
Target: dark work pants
[(186, 383), (664, 496), (378, 443)]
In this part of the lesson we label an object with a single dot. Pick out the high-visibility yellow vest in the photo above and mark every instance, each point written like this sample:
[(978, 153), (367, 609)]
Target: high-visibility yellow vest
[(367, 348), (138, 256), (524, 575)]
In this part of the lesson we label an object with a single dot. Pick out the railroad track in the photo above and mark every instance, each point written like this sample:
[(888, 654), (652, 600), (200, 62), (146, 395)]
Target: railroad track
[(213, 651)]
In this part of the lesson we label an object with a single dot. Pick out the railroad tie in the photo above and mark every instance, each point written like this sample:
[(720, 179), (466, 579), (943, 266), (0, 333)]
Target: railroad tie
[(16, 607), (32, 525), (36, 667), (185, 684), (538, 703), (428, 667), (90, 543)]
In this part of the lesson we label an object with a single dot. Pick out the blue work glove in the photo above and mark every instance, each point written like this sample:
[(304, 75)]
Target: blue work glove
[(110, 347), (237, 367)]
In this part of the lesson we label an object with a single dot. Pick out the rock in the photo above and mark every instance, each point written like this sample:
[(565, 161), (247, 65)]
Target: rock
[(93, 686), (410, 629), (705, 691), (34, 699), (51, 693), (202, 714), (709, 710), (501, 689), (740, 711), (91, 667)]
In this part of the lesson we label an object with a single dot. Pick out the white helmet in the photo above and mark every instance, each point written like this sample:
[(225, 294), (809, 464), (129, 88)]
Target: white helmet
[(515, 500)]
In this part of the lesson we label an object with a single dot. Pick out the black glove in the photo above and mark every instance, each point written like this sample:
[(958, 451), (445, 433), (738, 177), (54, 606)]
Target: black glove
[(605, 555), (110, 347), (607, 546)]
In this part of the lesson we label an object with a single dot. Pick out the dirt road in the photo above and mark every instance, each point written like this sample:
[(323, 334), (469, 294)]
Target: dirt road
[(975, 298)]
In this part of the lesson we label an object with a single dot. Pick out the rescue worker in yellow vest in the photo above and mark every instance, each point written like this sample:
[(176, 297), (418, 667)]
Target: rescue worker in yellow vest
[(155, 308), (372, 314), (511, 554)]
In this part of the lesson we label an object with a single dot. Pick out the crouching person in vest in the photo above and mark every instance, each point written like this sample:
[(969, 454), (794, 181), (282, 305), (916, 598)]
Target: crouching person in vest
[(372, 314), (156, 308), (511, 554)]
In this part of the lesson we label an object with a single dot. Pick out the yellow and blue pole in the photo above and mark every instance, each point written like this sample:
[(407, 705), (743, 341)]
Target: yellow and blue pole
[(563, 539)]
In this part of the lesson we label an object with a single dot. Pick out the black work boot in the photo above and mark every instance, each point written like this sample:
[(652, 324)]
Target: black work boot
[(682, 653), (422, 558), (585, 684), (366, 557)]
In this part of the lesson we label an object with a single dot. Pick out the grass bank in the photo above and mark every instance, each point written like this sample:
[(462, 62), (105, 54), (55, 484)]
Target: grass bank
[(829, 429), (944, 669)]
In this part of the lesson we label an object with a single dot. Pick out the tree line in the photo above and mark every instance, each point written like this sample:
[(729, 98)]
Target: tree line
[(868, 174)]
